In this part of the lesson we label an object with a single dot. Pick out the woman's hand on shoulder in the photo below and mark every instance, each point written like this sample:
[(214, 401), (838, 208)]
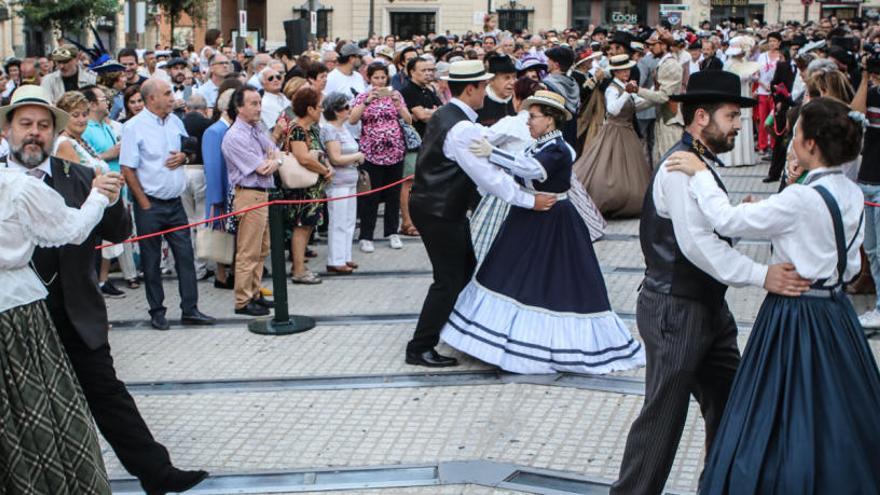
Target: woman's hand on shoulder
[(685, 161)]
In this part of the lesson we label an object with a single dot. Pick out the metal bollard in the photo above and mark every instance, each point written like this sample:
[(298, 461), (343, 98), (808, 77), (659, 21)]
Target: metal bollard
[(283, 323)]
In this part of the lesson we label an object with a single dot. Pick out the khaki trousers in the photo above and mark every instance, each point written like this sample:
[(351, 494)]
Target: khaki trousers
[(251, 245)]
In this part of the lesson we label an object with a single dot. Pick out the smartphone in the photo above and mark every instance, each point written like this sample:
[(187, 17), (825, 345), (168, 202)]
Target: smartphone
[(384, 91)]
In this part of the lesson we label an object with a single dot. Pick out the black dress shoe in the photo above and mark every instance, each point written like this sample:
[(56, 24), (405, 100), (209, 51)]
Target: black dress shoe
[(767, 180), (229, 284), (253, 309), (176, 481), (430, 359), (262, 301), (159, 322), (196, 318)]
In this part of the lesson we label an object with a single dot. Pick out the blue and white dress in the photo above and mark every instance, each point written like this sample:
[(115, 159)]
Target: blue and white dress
[(538, 303)]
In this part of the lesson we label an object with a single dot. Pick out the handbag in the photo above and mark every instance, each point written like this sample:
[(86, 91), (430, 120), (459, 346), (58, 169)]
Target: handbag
[(215, 245), (293, 175), (364, 183), (411, 138)]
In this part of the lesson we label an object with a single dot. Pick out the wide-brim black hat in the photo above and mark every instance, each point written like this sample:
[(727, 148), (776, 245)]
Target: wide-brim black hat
[(622, 38), (714, 86)]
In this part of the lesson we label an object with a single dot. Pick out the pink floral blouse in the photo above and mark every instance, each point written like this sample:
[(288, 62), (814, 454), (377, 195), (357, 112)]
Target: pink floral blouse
[(382, 139)]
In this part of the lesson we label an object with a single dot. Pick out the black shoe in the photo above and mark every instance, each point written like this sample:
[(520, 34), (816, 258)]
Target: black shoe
[(159, 322), (430, 359), (196, 318), (228, 285), (110, 290), (767, 180), (262, 301), (176, 481), (253, 309)]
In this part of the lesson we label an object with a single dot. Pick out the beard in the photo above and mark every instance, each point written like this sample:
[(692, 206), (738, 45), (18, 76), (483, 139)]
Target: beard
[(29, 159), (718, 141)]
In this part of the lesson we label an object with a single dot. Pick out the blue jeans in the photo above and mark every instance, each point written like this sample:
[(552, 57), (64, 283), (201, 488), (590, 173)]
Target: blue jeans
[(872, 231)]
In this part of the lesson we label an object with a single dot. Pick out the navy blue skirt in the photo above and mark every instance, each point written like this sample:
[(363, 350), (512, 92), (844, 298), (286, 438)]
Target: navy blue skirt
[(803, 415)]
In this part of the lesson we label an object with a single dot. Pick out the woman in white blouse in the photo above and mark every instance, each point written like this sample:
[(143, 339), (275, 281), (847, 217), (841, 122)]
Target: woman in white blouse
[(342, 150), (614, 169), (801, 417), (48, 444)]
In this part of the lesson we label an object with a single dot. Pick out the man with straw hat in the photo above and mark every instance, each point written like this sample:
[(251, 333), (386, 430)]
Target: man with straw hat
[(77, 308), (689, 333), (667, 82), (445, 188)]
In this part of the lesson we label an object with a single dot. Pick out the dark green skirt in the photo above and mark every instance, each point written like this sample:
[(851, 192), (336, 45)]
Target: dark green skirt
[(48, 443)]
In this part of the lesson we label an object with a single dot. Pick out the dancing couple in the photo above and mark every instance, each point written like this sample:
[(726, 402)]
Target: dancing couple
[(797, 414), (538, 303)]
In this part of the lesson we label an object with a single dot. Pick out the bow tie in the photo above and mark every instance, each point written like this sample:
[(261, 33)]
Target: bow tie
[(179, 87)]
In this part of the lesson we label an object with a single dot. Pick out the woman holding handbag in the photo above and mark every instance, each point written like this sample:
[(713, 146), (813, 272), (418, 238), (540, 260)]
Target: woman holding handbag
[(383, 143), (303, 141), (342, 150)]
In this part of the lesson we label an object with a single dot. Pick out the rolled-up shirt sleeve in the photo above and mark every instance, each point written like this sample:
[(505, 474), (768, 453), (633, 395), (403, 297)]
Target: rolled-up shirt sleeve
[(487, 176)]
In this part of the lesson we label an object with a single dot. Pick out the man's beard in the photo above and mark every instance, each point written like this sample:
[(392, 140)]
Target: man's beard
[(718, 141), (180, 79), (29, 159)]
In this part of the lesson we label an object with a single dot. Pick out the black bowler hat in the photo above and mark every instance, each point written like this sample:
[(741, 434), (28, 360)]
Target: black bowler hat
[(714, 86), (623, 39), (501, 64)]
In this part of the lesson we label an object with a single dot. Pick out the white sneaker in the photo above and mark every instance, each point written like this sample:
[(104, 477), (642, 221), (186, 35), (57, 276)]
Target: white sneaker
[(367, 246), (870, 320), (395, 241)]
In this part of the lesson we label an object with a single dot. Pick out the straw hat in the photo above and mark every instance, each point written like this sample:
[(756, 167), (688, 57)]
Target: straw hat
[(548, 99), (467, 71), (620, 62), (34, 95)]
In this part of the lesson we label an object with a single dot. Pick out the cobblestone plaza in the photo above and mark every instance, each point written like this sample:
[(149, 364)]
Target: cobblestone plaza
[(336, 408)]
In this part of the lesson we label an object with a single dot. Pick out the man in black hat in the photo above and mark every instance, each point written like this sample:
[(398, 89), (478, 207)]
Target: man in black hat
[(682, 316), (498, 102)]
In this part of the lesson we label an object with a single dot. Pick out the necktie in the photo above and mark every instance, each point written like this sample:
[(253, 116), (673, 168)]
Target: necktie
[(36, 172)]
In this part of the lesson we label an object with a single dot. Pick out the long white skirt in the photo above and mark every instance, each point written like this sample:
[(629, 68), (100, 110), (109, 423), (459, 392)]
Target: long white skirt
[(743, 152)]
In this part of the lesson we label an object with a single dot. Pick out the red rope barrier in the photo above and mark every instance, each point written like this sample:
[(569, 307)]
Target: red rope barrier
[(255, 207), (868, 203)]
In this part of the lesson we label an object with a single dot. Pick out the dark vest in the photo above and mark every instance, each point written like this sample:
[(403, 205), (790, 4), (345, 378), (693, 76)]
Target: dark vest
[(668, 270), (441, 188)]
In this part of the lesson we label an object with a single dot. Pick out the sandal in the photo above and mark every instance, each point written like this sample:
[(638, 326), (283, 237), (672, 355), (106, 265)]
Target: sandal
[(409, 231), (352, 265), (311, 253), (307, 278), (340, 270), (133, 283)]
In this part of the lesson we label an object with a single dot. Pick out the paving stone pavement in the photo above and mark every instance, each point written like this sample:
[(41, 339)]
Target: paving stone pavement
[(569, 429)]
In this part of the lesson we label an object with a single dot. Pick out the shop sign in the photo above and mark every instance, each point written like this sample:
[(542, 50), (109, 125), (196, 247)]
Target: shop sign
[(624, 18), (730, 3), (674, 7)]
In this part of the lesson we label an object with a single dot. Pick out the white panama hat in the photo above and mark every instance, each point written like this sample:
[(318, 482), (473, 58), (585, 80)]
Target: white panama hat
[(467, 71), (34, 95)]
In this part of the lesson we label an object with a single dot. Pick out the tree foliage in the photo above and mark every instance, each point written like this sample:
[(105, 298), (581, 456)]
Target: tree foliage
[(195, 9), (65, 15)]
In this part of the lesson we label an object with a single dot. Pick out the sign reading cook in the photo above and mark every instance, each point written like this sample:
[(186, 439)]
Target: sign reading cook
[(624, 18)]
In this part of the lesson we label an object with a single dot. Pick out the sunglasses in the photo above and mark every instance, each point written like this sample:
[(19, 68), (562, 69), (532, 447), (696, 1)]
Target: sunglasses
[(276, 77)]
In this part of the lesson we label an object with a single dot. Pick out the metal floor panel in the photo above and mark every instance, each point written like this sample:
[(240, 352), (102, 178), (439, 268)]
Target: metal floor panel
[(476, 472)]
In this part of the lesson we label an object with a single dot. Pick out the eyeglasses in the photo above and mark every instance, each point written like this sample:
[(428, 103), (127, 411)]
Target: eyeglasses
[(276, 77), (221, 63)]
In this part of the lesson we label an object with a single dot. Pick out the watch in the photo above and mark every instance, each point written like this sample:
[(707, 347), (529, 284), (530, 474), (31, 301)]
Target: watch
[(279, 161)]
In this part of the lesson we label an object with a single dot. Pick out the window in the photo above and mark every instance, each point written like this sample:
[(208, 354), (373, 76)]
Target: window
[(407, 24), (513, 19), (580, 14), (625, 12)]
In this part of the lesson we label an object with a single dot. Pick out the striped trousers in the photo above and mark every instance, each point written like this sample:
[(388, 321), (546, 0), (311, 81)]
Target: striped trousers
[(691, 349)]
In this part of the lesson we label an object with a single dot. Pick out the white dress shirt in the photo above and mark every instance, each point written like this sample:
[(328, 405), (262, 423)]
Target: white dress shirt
[(695, 234), (147, 141), (272, 107), (796, 221), (32, 214), (615, 98), (209, 91), (489, 178)]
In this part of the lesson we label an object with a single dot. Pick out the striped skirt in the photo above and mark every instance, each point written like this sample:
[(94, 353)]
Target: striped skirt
[(48, 443)]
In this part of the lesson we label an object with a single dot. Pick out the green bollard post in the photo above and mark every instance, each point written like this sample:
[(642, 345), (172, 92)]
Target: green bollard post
[(283, 323)]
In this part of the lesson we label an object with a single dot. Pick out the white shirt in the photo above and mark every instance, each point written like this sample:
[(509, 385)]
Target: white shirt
[(489, 178), (695, 234), (147, 141), (337, 82), (766, 73), (32, 214), (796, 221), (209, 90), (511, 133), (615, 99), (256, 81), (272, 107), (4, 148)]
